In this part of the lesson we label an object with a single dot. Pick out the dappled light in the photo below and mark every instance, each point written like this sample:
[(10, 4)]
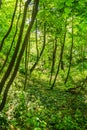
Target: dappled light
[(43, 65)]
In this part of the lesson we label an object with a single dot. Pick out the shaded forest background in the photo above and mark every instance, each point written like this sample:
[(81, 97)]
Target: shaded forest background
[(43, 65)]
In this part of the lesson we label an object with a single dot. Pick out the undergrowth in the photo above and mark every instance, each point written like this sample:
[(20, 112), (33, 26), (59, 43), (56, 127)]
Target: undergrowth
[(39, 108)]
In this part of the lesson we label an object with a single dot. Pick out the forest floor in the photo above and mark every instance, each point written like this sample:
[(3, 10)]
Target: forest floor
[(40, 108)]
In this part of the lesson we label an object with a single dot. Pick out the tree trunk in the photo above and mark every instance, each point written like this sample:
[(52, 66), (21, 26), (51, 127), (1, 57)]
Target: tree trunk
[(25, 42)]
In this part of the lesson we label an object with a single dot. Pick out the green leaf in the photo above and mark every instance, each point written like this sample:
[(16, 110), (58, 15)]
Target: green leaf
[(69, 3), (37, 128), (67, 10)]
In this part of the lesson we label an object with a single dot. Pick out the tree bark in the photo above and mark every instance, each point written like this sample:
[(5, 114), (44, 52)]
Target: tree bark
[(42, 50), (9, 30), (25, 42), (11, 64), (11, 43), (70, 62), (61, 56)]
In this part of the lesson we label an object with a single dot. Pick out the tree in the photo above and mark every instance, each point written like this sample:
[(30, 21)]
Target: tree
[(0, 3), (56, 36), (21, 51)]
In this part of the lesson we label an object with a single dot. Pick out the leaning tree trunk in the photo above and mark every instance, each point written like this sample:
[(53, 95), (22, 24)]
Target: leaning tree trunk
[(25, 42), (9, 30), (41, 52), (12, 42), (61, 56), (11, 64)]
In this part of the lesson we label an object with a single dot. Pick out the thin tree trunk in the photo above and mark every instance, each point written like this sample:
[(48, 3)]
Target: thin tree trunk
[(53, 59), (44, 42), (0, 3), (11, 64), (70, 62), (9, 30), (26, 66), (25, 42), (61, 54), (37, 41), (11, 43), (61, 57)]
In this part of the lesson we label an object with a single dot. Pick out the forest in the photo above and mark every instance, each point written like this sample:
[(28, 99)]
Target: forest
[(43, 65)]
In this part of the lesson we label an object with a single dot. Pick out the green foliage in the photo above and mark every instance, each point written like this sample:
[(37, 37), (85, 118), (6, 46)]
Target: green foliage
[(3, 122), (39, 108), (42, 109)]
